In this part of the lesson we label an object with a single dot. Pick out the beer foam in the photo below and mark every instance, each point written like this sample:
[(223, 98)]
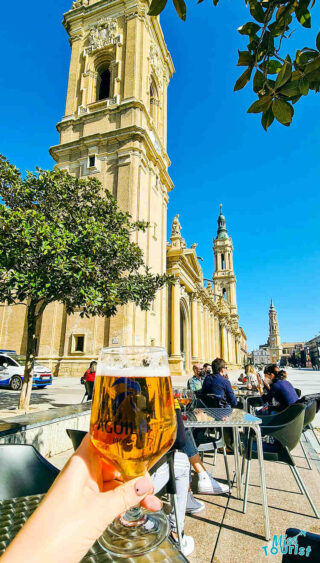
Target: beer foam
[(105, 370)]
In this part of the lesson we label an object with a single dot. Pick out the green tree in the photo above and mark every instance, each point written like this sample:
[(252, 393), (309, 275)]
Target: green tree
[(278, 79), (64, 239)]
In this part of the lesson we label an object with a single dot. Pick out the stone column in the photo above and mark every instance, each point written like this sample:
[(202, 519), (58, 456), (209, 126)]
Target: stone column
[(217, 344), (224, 342), (212, 342), (194, 329), (200, 330), (175, 319), (238, 361), (175, 359)]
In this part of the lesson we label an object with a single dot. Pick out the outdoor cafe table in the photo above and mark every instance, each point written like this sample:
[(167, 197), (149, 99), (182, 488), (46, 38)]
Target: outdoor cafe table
[(14, 512), (236, 420)]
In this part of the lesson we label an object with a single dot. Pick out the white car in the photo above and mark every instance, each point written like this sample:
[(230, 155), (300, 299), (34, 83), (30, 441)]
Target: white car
[(12, 371)]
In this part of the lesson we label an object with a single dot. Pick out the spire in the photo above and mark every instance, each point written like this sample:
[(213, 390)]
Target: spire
[(222, 229), (272, 305)]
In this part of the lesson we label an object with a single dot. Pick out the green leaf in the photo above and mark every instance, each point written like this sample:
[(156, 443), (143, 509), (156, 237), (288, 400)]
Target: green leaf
[(243, 80), (285, 73), (260, 105), (267, 118), (258, 81), (249, 28), (283, 111), (256, 11), (318, 41), (304, 86), (291, 88), (312, 66), (272, 66), (245, 58), (303, 14), (181, 8), (156, 7)]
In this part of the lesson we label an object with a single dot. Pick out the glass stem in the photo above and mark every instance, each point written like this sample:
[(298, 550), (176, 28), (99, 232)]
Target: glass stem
[(133, 515)]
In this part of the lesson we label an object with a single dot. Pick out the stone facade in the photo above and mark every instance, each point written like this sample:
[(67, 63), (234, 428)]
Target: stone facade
[(115, 128)]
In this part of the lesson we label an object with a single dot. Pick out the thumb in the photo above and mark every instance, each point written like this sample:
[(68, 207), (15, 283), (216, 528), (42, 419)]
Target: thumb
[(126, 496)]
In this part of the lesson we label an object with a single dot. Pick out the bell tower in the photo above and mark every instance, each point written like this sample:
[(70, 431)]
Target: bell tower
[(115, 128), (274, 335), (223, 277)]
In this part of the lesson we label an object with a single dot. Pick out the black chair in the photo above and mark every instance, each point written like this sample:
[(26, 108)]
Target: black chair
[(88, 390), (298, 391), (253, 403), (309, 414), (24, 472), (304, 540), (76, 437), (285, 429)]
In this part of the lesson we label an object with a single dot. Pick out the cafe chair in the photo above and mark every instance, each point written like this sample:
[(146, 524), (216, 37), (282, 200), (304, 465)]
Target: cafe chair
[(283, 432), (76, 437), (88, 390), (24, 472), (205, 439), (302, 540), (253, 403), (309, 414), (298, 391), (312, 397)]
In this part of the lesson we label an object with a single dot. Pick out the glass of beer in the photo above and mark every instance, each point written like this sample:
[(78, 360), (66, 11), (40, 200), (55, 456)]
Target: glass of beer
[(133, 423)]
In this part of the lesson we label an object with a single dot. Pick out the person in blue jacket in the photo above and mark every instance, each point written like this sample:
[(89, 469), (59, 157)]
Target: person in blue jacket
[(217, 383)]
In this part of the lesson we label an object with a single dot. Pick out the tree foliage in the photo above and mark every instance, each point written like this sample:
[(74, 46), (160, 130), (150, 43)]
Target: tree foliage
[(278, 80), (64, 239)]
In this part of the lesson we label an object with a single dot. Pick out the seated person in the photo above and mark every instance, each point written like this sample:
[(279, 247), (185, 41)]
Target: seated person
[(269, 372), (181, 471), (195, 382), (217, 384), (281, 393), (253, 379), (206, 369)]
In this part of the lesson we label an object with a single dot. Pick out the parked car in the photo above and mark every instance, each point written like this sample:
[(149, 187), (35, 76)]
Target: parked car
[(12, 370)]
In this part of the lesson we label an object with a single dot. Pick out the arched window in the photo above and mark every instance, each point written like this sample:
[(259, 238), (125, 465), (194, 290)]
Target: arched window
[(223, 266), (103, 86), (224, 293)]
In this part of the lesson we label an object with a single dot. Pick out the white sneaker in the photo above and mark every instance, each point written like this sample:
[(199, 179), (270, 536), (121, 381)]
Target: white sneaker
[(194, 505), (210, 486), (187, 545)]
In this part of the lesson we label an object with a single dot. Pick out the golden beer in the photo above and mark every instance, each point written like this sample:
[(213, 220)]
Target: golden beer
[(133, 421)]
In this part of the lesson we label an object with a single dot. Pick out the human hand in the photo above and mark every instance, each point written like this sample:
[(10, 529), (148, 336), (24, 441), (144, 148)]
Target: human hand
[(84, 499)]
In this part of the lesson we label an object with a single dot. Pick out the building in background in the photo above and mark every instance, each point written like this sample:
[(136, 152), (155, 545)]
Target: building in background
[(312, 352), (243, 348), (274, 342), (261, 357), (291, 350), (272, 351), (115, 129)]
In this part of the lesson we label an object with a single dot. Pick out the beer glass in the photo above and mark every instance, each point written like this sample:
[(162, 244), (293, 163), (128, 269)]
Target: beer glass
[(133, 423)]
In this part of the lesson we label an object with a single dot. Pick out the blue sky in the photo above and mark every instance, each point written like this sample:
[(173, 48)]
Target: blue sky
[(267, 182)]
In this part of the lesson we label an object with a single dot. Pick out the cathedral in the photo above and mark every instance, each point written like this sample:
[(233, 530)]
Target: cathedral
[(115, 128)]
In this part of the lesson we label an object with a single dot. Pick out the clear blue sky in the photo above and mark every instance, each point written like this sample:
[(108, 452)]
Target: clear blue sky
[(267, 182)]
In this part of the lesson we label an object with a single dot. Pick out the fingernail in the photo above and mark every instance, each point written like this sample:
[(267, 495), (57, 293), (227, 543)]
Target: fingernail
[(143, 486)]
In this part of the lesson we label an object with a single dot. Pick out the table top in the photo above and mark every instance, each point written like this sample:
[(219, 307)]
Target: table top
[(15, 512), (206, 418)]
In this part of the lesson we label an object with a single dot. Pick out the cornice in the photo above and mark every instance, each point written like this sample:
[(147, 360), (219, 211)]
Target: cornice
[(118, 135)]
